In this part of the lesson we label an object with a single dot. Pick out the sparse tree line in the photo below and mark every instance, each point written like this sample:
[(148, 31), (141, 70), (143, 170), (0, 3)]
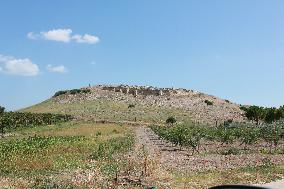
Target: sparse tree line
[(12, 120), (192, 136), (72, 92), (260, 114)]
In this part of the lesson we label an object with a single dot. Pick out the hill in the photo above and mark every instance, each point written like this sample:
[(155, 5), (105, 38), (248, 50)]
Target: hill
[(139, 103)]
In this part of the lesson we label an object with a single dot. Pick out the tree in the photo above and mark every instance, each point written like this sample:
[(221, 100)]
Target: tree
[(272, 114), (2, 109), (272, 134), (225, 135), (248, 134), (254, 113)]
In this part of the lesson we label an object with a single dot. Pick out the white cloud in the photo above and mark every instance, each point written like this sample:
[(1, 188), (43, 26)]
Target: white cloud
[(31, 35), (64, 35), (57, 69), (86, 39), (22, 67)]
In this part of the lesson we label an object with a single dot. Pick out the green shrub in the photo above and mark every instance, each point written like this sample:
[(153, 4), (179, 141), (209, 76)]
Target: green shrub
[(72, 92), (131, 106), (171, 120), (13, 120), (107, 149), (208, 102), (2, 109), (58, 93)]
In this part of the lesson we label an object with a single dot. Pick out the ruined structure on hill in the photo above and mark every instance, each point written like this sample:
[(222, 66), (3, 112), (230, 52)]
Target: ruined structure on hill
[(143, 90)]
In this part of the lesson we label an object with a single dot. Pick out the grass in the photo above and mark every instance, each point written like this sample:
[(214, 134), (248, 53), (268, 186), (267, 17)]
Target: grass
[(72, 129), (52, 149), (246, 175), (109, 110), (38, 157)]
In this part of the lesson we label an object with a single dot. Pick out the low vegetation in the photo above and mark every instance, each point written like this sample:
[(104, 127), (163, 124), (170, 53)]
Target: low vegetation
[(35, 153), (191, 136), (72, 92), (208, 102), (52, 150), (2, 109), (171, 120), (245, 175), (13, 120)]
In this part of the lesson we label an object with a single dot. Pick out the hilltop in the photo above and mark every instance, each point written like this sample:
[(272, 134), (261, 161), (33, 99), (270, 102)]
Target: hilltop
[(139, 103)]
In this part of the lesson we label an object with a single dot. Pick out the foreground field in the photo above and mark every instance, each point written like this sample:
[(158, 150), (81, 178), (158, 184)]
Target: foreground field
[(31, 156), (91, 155)]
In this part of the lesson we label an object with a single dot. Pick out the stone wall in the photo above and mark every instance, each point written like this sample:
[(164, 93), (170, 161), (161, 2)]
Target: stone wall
[(138, 90)]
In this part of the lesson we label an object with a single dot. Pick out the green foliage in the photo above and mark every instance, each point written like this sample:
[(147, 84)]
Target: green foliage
[(2, 109), (58, 93), (171, 120), (272, 134), (131, 106), (188, 136), (208, 102), (72, 92), (272, 114), (12, 120), (31, 145), (254, 113), (107, 149), (247, 134), (257, 113)]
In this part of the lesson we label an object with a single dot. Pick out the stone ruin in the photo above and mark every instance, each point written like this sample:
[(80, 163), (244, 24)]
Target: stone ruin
[(142, 90)]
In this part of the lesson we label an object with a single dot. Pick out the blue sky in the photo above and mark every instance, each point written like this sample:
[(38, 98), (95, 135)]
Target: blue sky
[(231, 49)]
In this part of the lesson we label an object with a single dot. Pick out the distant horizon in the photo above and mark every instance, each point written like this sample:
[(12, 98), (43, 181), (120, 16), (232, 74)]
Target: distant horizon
[(229, 49)]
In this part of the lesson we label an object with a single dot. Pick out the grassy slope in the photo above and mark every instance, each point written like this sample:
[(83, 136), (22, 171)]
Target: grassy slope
[(109, 110)]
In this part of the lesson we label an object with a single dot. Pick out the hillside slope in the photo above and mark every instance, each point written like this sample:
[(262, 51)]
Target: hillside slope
[(141, 103)]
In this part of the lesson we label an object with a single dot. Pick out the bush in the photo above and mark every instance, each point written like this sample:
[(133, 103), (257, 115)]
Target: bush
[(107, 149), (58, 93), (208, 102), (171, 120), (131, 106), (12, 120), (2, 109), (72, 92)]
